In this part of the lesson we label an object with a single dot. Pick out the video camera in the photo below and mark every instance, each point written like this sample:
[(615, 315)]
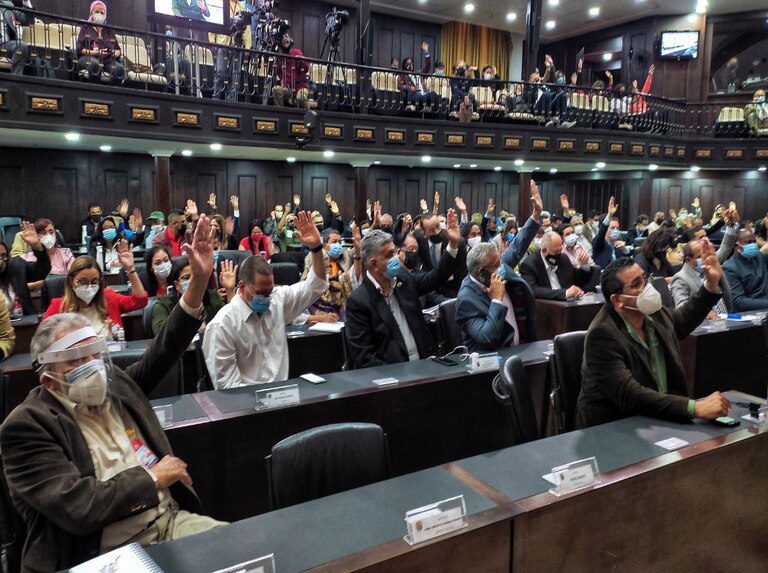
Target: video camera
[(276, 30), (334, 21), (239, 22)]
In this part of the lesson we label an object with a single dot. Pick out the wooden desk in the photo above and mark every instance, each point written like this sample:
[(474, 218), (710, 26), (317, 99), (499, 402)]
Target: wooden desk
[(555, 317), (24, 328)]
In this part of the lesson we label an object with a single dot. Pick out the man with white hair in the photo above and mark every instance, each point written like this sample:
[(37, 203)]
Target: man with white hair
[(88, 465)]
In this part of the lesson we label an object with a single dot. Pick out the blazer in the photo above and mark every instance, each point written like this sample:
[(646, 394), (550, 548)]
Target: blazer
[(21, 272), (616, 376), (602, 250), (50, 471), (687, 281), (748, 280), (449, 288), (534, 272), (372, 334)]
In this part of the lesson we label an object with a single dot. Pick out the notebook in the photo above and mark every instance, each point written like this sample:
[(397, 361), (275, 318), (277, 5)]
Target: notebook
[(127, 559)]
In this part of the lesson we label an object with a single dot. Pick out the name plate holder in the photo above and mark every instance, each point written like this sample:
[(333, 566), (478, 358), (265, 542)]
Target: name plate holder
[(164, 415), (265, 564), (757, 414), (718, 325), (430, 521), (277, 396), (574, 476), (484, 362)]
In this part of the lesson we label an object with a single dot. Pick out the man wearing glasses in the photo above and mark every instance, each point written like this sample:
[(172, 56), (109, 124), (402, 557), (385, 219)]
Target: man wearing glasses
[(632, 360)]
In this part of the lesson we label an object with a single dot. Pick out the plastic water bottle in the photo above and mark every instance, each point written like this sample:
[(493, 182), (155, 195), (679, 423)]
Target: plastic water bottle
[(84, 236), (121, 336), (100, 256), (17, 311)]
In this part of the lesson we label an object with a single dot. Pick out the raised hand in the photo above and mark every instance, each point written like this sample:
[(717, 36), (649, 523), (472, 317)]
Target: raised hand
[(356, 239), (234, 200), (436, 200), (460, 205), (125, 254), (228, 274), (608, 75), (191, 209), (212, 201), (424, 47), (452, 230), (334, 208), (710, 265), (574, 78), (376, 214), (583, 257), (651, 69), (308, 233), (229, 226), (328, 198), (30, 236), (122, 208), (564, 203), (423, 205), (296, 199), (695, 203), (673, 213), (612, 206), (200, 252), (491, 206), (136, 221), (536, 200)]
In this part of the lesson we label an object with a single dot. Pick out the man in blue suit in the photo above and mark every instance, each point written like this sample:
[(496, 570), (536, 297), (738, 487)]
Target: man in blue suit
[(495, 307), (606, 246)]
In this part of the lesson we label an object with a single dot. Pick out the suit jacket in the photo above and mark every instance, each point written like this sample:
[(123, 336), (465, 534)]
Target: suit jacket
[(748, 280), (50, 471), (20, 272), (687, 281), (450, 288), (534, 272), (616, 376), (602, 250), (373, 336)]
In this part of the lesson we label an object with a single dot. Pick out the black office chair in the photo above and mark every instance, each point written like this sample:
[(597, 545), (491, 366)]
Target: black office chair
[(146, 318), (326, 460), (204, 381), (9, 226), (448, 327), (53, 287), (512, 390), (285, 273), (566, 374), (13, 531), (141, 270), (172, 384), (289, 257), (666, 296)]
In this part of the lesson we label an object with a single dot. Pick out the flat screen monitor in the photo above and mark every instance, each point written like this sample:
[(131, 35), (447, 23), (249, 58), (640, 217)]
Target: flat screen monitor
[(679, 45), (203, 14)]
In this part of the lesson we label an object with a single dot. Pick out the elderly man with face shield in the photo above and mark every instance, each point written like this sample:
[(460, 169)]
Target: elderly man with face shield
[(88, 466), (632, 364)]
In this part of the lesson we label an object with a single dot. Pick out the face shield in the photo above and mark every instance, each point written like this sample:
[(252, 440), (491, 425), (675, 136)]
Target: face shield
[(84, 372)]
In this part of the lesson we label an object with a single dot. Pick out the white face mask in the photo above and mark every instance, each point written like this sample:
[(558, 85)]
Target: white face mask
[(537, 242), (48, 241), (648, 301), (473, 241), (571, 239), (86, 384), (86, 293), (163, 270), (578, 229), (98, 19)]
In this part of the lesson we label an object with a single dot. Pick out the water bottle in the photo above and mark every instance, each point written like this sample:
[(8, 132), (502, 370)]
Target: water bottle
[(84, 236), (121, 336), (17, 311), (100, 256), (114, 330)]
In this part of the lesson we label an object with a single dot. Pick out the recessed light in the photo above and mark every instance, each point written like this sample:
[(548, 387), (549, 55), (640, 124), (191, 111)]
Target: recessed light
[(653, 167), (72, 136), (550, 25), (594, 169), (701, 6), (472, 165), (328, 153), (761, 169), (469, 8), (426, 159), (553, 170), (692, 18), (186, 152), (519, 162), (594, 12), (105, 148), (216, 146), (600, 164), (377, 162), (607, 57), (695, 168), (511, 17), (423, 1), (456, 165), (554, 2), (290, 159), (497, 168), (537, 168)]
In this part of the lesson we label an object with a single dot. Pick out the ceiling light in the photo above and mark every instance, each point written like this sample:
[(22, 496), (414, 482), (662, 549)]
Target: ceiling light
[(550, 25), (472, 165), (72, 136), (701, 7), (600, 164), (695, 168), (377, 162), (761, 169), (105, 148), (290, 159), (554, 2), (519, 162), (186, 152), (653, 167), (469, 8), (594, 12), (692, 18), (422, 1), (607, 57), (511, 17), (456, 165), (537, 168), (497, 168), (328, 153), (216, 146), (594, 169), (553, 170), (426, 158)]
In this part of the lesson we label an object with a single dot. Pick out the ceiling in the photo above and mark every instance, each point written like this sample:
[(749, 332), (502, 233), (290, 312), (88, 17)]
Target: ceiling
[(571, 16)]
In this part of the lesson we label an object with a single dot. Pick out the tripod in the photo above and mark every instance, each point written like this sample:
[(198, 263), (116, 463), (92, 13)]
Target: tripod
[(235, 67), (332, 42), (262, 43)]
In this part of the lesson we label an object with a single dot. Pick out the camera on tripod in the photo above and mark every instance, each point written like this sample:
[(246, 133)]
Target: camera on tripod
[(276, 29), (239, 22), (334, 22)]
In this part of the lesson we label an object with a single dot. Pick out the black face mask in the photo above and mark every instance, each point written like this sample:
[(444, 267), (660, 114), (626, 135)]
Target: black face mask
[(411, 261), (459, 71), (660, 220), (552, 259), (95, 218), (319, 228), (409, 67), (437, 238), (394, 66), (386, 228)]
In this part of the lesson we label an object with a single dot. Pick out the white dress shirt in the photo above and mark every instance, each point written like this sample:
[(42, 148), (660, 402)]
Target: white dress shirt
[(554, 282), (242, 347), (400, 319)]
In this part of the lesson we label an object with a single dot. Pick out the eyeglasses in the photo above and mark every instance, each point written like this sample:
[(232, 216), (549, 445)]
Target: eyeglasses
[(639, 284), (83, 282)]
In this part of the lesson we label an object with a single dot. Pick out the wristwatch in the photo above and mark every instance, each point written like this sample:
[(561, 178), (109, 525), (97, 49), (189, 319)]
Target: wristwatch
[(316, 249)]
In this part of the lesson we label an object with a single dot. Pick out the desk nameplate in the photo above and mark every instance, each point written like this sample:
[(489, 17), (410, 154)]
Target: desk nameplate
[(434, 520), (278, 396)]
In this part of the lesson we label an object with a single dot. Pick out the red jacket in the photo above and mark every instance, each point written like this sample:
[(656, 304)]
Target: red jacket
[(639, 104), (117, 304), (293, 73), (256, 249)]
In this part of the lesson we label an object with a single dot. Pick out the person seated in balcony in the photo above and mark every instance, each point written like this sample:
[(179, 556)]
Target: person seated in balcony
[(414, 87), (756, 114), (292, 86), (490, 78), (461, 84), (638, 105), (11, 44), (97, 47)]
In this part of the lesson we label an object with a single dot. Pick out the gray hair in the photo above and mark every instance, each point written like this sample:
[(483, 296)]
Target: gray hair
[(478, 256), (328, 232), (252, 266), (53, 328), (547, 239), (371, 244)]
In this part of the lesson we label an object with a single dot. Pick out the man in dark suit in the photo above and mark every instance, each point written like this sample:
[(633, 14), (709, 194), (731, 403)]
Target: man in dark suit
[(495, 307), (385, 324), (433, 242), (551, 275), (606, 246), (87, 462), (632, 360)]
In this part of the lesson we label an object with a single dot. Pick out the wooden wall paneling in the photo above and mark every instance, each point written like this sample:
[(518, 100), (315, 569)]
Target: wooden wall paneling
[(62, 188), (345, 195), (383, 41), (384, 187), (315, 183), (411, 187), (12, 198), (510, 195)]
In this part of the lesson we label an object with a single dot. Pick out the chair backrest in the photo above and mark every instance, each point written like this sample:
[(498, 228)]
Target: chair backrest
[(285, 273), (731, 114), (566, 367), (483, 94), (172, 384), (53, 287), (204, 382), (13, 532), (600, 103), (666, 296), (146, 319), (512, 390), (9, 226), (448, 326), (289, 257), (141, 270), (326, 460)]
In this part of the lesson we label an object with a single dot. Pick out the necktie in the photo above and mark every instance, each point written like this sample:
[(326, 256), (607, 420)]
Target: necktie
[(434, 252)]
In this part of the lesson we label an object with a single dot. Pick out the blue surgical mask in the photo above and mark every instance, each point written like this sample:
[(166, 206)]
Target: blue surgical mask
[(502, 271), (510, 237), (760, 99), (216, 257), (560, 81), (260, 304), (439, 72), (184, 286), (750, 251), (699, 265), (615, 234), (109, 234), (335, 250), (393, 266)]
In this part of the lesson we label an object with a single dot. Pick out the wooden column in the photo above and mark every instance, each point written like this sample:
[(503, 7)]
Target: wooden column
[(163, 183), (524, 198), (532, 29), (361, 190), (646, 194)]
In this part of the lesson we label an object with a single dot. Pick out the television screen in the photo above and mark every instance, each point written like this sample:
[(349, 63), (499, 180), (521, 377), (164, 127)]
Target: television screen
[(209, 12), (679, 45)]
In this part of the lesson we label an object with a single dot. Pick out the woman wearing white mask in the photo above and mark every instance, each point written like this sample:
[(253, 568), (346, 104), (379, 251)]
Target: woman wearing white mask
[(97, 47), (85, 294), (472, 234), (60, 257), (158, 270)]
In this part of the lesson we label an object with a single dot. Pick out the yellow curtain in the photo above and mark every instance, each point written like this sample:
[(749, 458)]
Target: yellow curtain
[(477, 45)]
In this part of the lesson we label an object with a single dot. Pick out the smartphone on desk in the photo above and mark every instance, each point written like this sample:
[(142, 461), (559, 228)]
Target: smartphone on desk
[(444, 361), (726, 421)]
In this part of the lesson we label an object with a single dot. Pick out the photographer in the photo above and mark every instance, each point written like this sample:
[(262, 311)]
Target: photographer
[(224, 57), (97, 47), (291, 76)]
